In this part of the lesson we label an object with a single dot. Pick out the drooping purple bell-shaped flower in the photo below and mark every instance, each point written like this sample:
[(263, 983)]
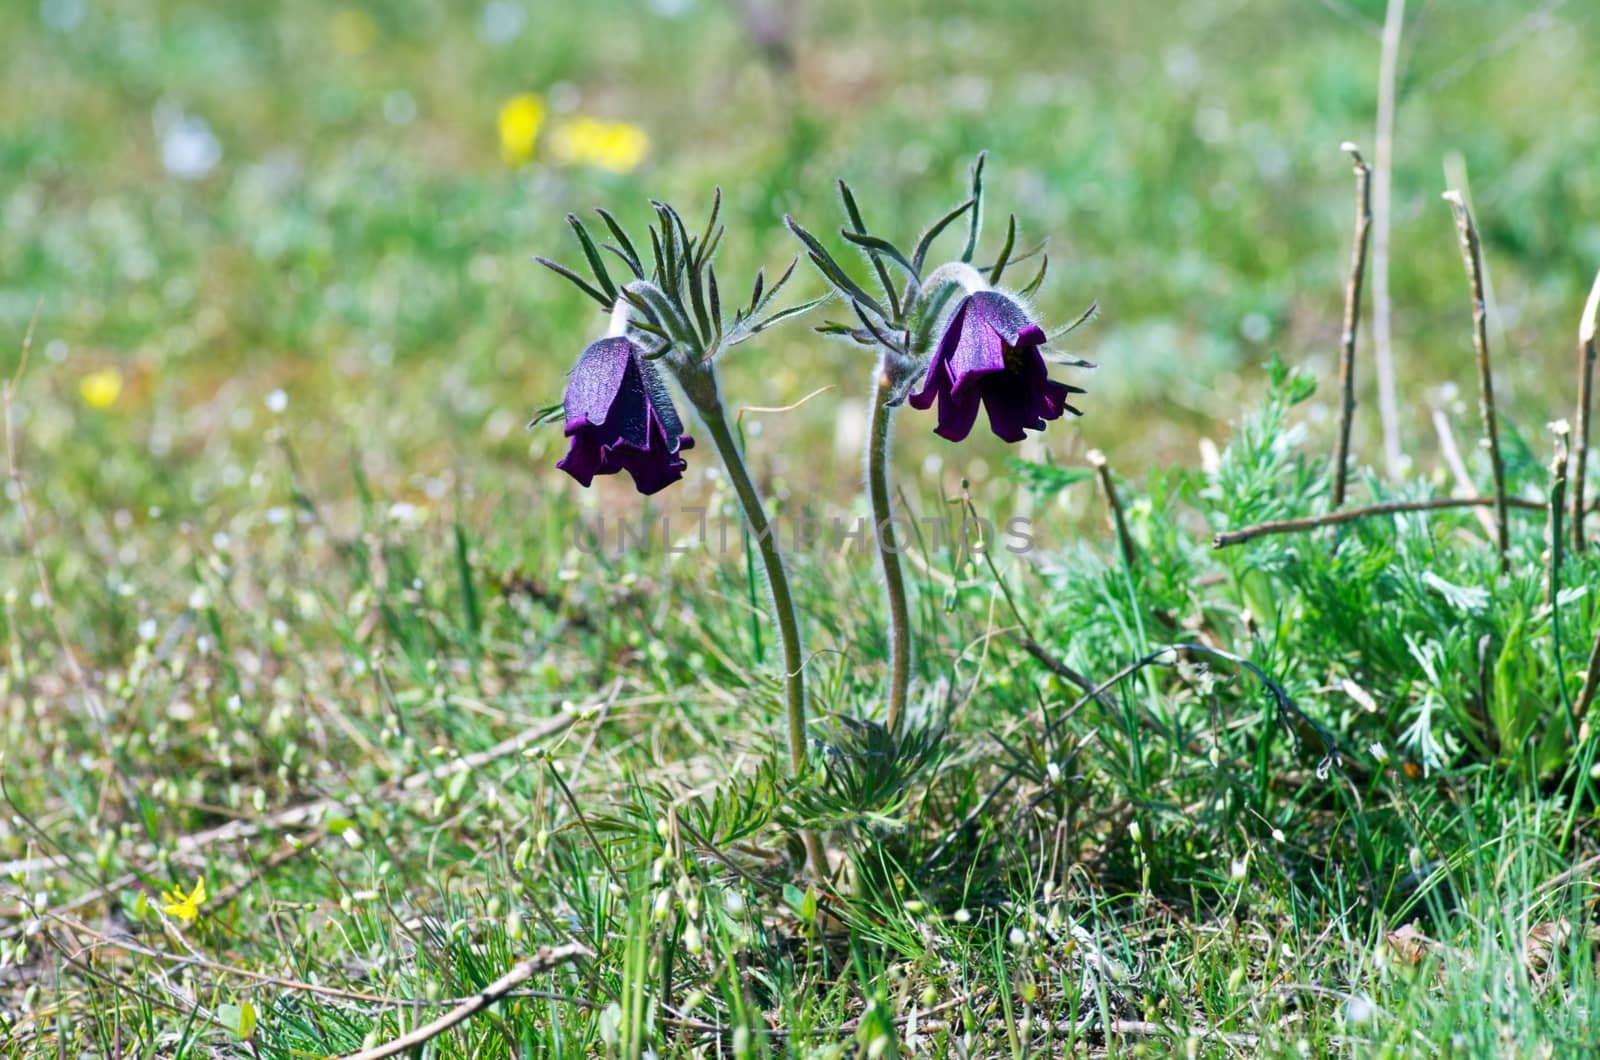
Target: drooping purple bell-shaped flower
[(990, 354), (621, 418)]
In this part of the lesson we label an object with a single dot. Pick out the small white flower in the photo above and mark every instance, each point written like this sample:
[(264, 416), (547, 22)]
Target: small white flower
[(189, 149), (277, 401), (1359, 1009)]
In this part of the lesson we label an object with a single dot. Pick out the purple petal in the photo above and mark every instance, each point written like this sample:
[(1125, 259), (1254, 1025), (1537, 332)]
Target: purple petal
[(585, 458), (937, 381), (979, 349), (958, 410), (1010, 405), (595, 381), (1006, 316)]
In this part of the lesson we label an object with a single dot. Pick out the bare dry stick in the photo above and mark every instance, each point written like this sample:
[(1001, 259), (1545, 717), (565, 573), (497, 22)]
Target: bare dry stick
[(1472, 253), (1352, 321), (1383, 350), (1350, 515), (1458, 467), (1119, 519), (1586, 357), (1591, 682), (520, 973), (1558, 490)]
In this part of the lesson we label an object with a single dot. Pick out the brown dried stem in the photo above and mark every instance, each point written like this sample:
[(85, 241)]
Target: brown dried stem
[(1558, 491), (1119, 519), (1472, 254), (1382, 197), (520, 973), (1591, 681), (1352, 321), (1350, 515), (1586, 358)]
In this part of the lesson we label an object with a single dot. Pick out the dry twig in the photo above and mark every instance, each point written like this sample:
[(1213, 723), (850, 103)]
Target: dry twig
[(1586, 358), (520, 973), (1558, 491), (1352, 321), (1591, 682), (1472, 253), (1383, 350), (1119, 519), (1349, 515)]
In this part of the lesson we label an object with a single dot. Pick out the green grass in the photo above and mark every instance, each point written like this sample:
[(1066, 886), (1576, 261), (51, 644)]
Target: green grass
[(321, 623)]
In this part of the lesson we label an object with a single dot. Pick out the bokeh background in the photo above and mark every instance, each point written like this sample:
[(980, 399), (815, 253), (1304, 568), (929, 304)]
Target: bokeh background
[(244, 222)]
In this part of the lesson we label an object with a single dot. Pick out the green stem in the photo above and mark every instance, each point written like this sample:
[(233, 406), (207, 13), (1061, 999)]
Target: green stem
[(703, 393), (894, 583)]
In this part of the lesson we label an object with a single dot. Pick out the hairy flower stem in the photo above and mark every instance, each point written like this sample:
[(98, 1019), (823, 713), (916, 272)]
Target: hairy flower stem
[(700, 384), (894, 583)]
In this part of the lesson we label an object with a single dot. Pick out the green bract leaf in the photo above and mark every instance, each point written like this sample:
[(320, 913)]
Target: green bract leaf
[(779, 316), (854, 213), (547, 414), (875, 246), (577, 281), (920, 257), (1038, 279), (624, 250), (830, 269), (1005, 251), (596, 264), (977, 208)]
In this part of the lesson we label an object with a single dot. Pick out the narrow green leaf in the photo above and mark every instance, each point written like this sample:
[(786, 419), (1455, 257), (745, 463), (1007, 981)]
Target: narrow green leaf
[(830, 268), (772, 292), (977, 208), (854, 213), (627, 253), (1005, 251), (597, 264), (715, 298), (920, 256), (755, 292), (660, 308), (706, 243), (1033, 285), (872, 329), (577, 281), (784, 314), (469, 592), (875, 247), (547, 414), (1083, 318)]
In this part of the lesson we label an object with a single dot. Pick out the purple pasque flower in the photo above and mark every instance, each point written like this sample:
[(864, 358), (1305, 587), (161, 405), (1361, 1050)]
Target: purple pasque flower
[(990, 353), (620, 418)]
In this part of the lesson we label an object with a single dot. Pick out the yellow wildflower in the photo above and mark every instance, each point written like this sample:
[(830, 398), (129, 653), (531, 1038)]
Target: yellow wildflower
[(521, 118), (184, 906), (352, 31), (617, 146), (101, 389)]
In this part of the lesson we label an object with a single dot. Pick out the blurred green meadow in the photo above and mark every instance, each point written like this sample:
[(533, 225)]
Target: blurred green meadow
[(349, 231), (299, 548)]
